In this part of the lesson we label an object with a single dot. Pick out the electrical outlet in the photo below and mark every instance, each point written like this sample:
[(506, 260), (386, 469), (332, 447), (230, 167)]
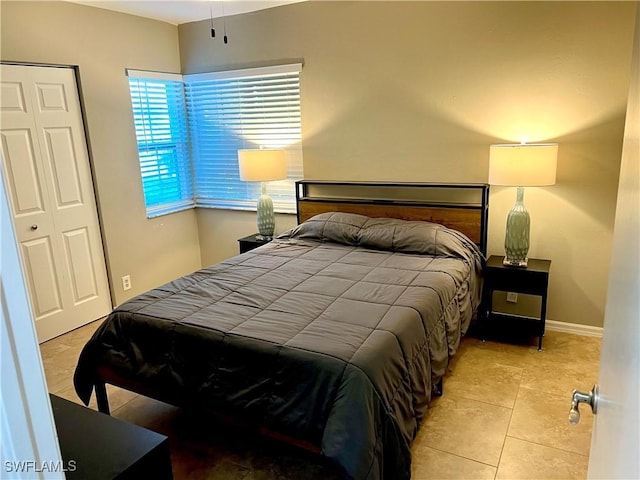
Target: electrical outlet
[(512, 297), (126, 282)]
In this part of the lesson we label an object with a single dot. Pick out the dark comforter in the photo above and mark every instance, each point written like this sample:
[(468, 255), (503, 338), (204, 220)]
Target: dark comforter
[(334, 333)]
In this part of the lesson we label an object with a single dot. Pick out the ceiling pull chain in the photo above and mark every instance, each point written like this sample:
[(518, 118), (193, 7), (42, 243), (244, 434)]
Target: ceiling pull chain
[(213, 30), (224, 25)]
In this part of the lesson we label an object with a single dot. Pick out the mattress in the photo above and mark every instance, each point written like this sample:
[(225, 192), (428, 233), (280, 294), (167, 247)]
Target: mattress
[(335, 333)]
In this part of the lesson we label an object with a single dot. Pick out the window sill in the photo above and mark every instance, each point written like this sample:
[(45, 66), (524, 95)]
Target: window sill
[(161, 213), (244, 209)]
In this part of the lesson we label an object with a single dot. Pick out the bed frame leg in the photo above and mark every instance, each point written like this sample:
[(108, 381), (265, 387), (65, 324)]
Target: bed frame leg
[(438, 389), (101, 398)]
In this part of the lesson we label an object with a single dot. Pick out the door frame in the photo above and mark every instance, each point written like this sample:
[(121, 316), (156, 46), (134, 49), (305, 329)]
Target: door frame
[(25, 404)]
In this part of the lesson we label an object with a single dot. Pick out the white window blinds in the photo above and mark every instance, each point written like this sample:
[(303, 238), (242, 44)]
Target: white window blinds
[(229, 111), (163, 144)]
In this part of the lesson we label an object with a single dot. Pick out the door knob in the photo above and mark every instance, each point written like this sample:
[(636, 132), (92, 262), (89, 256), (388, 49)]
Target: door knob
[(34, 227), (577, 398)]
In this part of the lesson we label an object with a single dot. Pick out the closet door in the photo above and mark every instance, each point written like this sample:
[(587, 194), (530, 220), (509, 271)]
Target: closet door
[(46, 166)]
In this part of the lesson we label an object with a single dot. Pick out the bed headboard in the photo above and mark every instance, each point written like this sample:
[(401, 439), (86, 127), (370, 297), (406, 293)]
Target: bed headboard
[(463, 207)]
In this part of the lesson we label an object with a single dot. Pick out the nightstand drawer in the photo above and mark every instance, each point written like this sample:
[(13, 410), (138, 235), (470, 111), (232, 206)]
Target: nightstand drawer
[(533, 279), (534, 283)]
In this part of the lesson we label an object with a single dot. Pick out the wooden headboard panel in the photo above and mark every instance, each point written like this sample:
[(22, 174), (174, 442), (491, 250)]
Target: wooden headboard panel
[(463, 207)]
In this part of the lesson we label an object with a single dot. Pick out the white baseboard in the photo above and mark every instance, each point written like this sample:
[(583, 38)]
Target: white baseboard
[(574, 328)]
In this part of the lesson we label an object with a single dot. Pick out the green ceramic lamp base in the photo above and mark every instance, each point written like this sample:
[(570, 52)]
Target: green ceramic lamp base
[(516, 241), (266, 216)]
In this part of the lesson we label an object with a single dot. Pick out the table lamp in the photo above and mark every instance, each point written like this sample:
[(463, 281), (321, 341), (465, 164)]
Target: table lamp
[(263, 166), (521, 165)]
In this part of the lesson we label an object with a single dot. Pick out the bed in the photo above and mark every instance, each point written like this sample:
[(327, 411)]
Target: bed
[(333, 336)]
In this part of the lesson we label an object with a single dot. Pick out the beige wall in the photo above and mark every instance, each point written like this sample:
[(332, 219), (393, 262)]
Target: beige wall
[(417, 91), (103, 44), (221, 229)]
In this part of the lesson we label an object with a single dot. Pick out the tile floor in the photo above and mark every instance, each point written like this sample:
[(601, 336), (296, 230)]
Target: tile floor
[(503, 416)]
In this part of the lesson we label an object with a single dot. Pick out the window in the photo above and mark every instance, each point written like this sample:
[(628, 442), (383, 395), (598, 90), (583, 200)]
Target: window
[(163, 145), (190, 128), (229, 111)]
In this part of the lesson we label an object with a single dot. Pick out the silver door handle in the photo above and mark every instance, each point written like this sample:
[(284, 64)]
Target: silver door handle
[(577, 398), (34, 227)]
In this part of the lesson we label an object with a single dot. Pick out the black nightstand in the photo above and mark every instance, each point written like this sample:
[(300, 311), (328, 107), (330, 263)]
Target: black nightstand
[(99, 447), (251, 242), (532, 280)]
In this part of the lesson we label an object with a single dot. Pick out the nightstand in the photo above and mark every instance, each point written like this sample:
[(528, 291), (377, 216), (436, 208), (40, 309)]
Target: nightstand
[(98, 446), (530, 280), (251, 242)]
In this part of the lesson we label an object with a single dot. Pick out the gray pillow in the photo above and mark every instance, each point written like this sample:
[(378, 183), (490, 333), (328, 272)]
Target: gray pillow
[(414, 237), (330, 227)]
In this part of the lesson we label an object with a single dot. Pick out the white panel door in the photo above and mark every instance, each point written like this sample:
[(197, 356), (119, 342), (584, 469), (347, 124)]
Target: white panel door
[(45, 159), (616, 434)]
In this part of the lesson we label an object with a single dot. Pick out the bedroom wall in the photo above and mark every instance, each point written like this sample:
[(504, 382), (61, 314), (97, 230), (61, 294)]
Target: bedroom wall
[(417, 91), (103, 43)]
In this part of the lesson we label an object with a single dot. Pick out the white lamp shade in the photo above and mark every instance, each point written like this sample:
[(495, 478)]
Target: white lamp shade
[(262, 165), (523, 165)]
